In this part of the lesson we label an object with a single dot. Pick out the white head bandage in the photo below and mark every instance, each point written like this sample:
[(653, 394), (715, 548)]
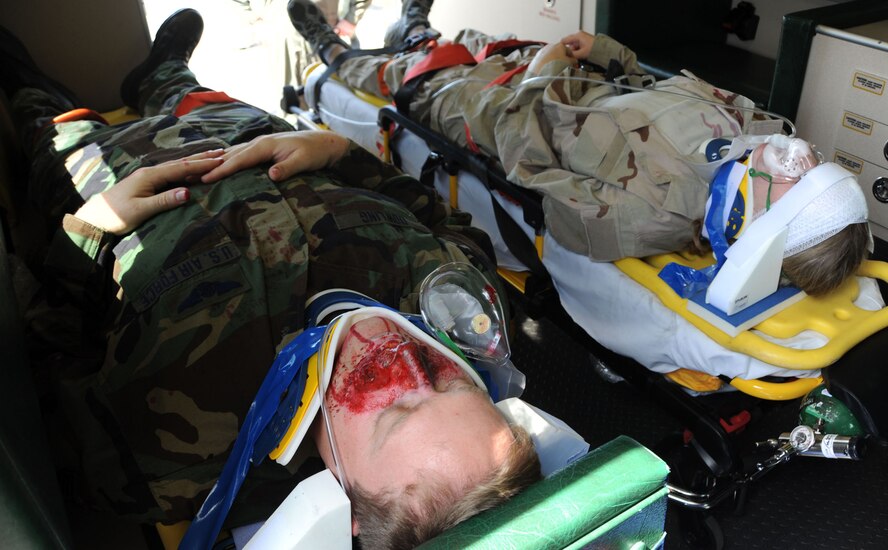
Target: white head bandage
[(824, 201), (840, 205)]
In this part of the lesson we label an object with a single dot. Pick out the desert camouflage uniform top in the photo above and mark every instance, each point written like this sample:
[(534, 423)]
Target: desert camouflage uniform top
[(613, 169), (195, 303)]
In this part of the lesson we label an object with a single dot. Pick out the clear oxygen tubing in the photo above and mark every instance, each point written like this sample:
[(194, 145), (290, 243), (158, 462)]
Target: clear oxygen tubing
[(328, 426), (534, 79)]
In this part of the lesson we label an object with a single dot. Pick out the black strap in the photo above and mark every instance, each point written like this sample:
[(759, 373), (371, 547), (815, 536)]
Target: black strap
[(614, 70), (516, 240), (506, 50), (513, 235), (336, 63), (453, 157), (411, 43), (406, 92), (427, 172)]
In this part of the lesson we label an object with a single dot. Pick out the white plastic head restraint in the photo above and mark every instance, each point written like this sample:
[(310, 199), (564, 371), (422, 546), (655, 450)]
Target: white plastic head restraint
[(825, 200)]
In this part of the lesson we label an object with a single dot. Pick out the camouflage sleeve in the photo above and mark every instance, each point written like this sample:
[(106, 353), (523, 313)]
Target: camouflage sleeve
[(605, 48), (80, 260), (360, 168)]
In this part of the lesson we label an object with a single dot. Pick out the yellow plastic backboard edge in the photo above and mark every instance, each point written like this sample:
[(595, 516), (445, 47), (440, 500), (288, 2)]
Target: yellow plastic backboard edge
[(835, 316)]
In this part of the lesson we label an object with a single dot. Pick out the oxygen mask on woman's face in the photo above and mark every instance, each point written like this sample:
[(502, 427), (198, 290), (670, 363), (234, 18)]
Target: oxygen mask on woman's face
[(784, 159), (458, 303), (779, 162)]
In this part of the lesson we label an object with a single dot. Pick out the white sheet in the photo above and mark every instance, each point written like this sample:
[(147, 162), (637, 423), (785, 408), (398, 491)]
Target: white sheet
[(612, 308)]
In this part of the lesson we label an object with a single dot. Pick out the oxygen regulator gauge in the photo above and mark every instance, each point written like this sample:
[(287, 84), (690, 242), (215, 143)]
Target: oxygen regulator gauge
[(802, 438), (880, 189)]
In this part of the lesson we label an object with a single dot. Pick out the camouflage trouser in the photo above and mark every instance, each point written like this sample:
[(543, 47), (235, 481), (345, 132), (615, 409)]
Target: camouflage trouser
[(63, 156), (442, 101)]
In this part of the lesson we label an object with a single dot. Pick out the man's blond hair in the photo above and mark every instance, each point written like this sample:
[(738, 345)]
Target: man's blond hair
[(387, 521)]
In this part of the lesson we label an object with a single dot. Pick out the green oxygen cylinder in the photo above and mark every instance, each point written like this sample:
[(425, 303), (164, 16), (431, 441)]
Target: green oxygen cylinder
[(826, 414)]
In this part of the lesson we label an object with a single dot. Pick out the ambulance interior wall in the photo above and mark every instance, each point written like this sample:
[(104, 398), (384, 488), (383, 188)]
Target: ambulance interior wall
[(84, 43)]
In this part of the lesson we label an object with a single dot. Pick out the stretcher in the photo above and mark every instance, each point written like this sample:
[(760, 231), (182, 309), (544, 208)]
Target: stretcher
[(623, 305), (621, 310)]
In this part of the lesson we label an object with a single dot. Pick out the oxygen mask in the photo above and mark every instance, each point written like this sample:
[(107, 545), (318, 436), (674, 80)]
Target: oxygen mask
[(460, 305), (785, 159)]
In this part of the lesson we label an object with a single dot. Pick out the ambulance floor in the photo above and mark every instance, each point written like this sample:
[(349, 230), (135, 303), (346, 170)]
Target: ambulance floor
[(806, 503)]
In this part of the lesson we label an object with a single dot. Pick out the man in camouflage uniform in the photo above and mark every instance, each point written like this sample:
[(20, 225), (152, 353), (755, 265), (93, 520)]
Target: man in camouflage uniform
[(613, 169), (188, 310)]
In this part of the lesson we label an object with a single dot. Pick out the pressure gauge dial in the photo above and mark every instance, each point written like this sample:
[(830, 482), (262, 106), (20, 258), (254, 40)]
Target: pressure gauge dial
[(802, 438)]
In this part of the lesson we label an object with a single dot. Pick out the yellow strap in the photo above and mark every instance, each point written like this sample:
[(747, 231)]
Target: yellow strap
[(777, 391), (518, 279), (311, 388), (386, 146), (790, 388), (171, 535), (454, 191), (695, 380), (121, 115), (374, 100)]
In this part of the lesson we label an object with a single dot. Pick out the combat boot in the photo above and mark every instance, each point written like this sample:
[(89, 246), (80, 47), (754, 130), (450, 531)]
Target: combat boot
[(18, 70), (175, 39), (310, 22), (414, 18)]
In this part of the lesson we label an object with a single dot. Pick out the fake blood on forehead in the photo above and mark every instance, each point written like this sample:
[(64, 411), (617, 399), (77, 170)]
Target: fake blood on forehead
[(386, 369)]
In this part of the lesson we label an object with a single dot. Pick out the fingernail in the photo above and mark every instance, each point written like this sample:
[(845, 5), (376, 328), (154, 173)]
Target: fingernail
[(182, 195), (273, 173)]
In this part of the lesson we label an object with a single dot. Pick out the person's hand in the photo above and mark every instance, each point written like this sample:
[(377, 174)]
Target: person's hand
[(291, 152), (578, 44), (552, 51), (143, 194), (345, 28)]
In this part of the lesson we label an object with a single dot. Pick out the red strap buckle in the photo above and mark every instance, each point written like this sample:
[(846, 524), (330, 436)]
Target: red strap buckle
[(736, 422), (473, 147), (79, 114), (198, 99), (511, 44), (445, 55), (507, 76)]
